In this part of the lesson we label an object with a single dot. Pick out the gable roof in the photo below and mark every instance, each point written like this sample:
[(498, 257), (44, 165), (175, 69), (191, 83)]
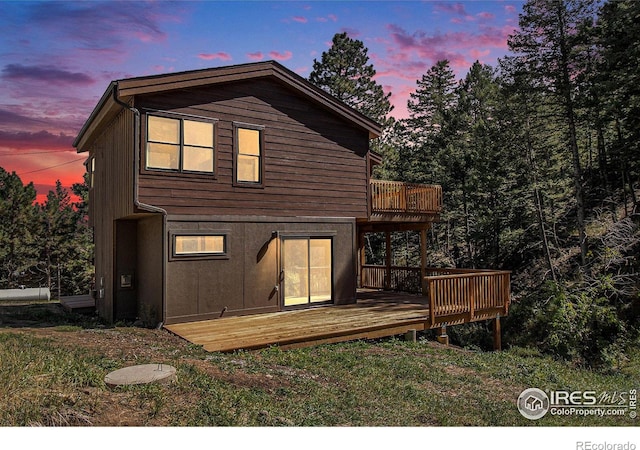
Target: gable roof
[(126, 89)]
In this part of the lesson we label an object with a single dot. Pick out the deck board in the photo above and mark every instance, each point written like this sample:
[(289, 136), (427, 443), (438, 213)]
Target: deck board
[(375, 315)]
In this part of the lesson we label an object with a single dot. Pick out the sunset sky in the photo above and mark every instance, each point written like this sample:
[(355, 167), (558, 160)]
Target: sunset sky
[(57, 57)]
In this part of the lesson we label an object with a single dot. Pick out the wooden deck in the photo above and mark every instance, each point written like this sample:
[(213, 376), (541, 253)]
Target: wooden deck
[(451, 297), (377, 314)]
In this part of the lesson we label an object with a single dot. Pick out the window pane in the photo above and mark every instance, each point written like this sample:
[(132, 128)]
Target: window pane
[(249, 168), (163, 129), (248, 142), (163, 156), (193, 245), (198, 133), (296, 271), (198, 159), (320, 270)]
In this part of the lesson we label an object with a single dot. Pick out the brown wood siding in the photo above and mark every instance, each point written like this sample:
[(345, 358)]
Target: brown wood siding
[(150, 260), (111, 198), (113, 150), (315, 162), (245, 281)]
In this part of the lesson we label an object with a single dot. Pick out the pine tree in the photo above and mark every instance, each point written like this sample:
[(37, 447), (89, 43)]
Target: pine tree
[(58, 229), (431, 109), (431, 105), (80, 267), (344, 72), (65, 241), (551, 43), (618, 32), (18, 251), (526, 126)]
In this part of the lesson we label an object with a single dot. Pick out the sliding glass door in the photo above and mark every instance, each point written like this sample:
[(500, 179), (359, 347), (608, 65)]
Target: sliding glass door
[(306, 263)]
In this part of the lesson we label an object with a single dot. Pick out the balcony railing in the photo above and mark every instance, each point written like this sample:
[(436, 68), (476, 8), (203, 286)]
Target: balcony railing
[(454, 295), (396, 197)]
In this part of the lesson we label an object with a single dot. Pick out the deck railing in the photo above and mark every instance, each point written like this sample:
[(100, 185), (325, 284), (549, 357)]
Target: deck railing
[(404, 279), (398, 197), (454, 295), (461, 295)]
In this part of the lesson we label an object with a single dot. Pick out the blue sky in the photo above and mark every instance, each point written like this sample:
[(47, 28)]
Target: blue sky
[(58, 57)]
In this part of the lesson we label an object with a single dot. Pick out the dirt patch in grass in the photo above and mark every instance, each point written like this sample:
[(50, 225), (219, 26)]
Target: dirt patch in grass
[(240, 378)]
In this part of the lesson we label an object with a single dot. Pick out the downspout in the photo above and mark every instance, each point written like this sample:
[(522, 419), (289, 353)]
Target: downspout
[(136, 201), (136, 155)]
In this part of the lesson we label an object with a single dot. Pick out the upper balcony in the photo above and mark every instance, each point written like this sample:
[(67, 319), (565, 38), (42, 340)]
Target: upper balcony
[(396, 201)]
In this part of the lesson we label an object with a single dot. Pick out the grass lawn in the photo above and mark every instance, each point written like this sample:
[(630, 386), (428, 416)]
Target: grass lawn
[(54, 363)]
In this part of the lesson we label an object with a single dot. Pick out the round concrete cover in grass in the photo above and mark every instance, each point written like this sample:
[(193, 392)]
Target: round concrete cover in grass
[(142, 374)]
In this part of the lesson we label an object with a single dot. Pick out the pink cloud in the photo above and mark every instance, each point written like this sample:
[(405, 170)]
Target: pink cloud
[(210, 56), (96, 28), (424, 45), (478, 54), (12, 118), (280, 56), (486, 15), (455, 9), (329, 17), (46, 74), (351, 32), (63, 114), (510, 9), (451, 8), (256, 56), (299, 19), (43, 140), (147, 37)]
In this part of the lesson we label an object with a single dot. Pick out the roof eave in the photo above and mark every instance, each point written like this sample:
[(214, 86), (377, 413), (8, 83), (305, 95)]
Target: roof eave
[(99, 112)]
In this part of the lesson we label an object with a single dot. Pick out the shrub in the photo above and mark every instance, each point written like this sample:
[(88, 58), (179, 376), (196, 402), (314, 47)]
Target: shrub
[(569, 322)]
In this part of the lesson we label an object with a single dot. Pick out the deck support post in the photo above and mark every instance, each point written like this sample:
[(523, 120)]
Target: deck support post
[(423, 261), (497, 334), (387, 278), (361, 258), (442, 337), (410, 336)]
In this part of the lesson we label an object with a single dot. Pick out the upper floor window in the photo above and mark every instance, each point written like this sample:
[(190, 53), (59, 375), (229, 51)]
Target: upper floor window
[(180, 144), (248, 154)]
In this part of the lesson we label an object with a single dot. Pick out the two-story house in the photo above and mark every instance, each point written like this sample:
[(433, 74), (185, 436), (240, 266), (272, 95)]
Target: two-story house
[(234, 191)]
